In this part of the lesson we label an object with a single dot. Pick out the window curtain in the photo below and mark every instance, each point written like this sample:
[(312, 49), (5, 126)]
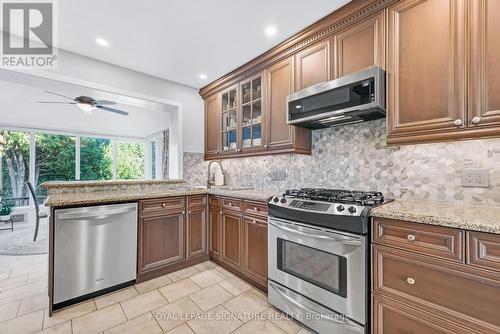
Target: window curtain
[(165, 154)]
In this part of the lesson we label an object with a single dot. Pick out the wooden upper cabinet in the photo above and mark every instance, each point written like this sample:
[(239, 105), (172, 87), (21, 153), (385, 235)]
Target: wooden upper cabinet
[(485, 65), (212, 125), (360, 46), (426, 70), (279, 80), (312, 65)]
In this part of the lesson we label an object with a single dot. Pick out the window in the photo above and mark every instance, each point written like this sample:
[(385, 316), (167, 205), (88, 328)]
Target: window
[(55, 159), (129, 160), (96, 159), (14, 166)]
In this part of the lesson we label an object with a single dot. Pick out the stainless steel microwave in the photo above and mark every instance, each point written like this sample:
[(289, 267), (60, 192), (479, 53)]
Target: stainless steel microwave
[(353, 98)]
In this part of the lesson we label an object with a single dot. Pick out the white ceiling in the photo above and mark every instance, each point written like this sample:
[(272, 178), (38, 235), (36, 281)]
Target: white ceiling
[(19, 109), (179, 39)]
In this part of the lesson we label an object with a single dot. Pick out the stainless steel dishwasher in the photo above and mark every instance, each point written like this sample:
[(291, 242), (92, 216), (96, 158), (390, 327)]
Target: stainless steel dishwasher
[(95, 251)]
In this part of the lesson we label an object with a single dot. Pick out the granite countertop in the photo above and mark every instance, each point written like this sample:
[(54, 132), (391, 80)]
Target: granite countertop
[(97, 197), (467, 217), (107, 183)]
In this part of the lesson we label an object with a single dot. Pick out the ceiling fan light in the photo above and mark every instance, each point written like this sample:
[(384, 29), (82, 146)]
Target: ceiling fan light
[(88, 109)]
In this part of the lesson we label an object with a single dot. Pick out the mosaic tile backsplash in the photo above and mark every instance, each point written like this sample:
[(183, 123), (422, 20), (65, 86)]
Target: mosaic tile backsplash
[(356, 157)]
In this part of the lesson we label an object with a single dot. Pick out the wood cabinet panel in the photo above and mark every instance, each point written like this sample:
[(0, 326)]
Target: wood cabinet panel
[(196, 200), (279, 83), (391, 317), (255, 249), (360, 46), (467, 295), (483, 250), (161, 240), (313, 65), (215, 232), (432, 240), (255, 208), (426, 89), (161, 205), (485, 67), (212, 125), (196, 231), (231, 238), (232, 203)]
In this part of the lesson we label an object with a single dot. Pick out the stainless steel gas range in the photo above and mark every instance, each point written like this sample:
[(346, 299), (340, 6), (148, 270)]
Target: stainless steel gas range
[(319, 257)]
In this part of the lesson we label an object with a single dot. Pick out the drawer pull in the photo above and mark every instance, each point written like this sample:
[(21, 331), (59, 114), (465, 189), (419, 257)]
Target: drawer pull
[(253, 221), (220, 211), (230, 204), (410, 237), (256, 209), (163, 204), (410, 280)]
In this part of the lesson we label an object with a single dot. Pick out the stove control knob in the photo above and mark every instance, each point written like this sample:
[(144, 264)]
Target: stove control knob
[(283, 200), (352, 209), (340, 208), (276, 199)]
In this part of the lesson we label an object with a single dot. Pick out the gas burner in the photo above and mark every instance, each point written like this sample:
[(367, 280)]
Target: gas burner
[(365, 198)]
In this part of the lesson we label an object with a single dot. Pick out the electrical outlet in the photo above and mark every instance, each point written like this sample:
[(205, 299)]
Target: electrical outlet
[(476, 178)]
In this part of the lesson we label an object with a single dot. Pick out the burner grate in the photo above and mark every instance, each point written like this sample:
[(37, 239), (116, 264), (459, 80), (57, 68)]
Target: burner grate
[(368, 198)]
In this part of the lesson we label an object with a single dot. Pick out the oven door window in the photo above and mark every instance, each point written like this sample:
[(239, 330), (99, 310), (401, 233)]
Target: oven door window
[(323, 269)]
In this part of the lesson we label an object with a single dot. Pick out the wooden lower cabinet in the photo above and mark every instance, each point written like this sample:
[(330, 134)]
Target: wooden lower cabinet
[(196, 232), (419, 288), (255, 248), (392, 317), (238, 241), (231, 239), (161, 240), (214, 224), (171, 236)]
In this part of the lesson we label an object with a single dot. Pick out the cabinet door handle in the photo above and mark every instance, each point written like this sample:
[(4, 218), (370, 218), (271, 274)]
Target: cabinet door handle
[(163, 204), (410, 280), (189, 211), (476, 120), (410, 237), (458, 122), (266, 146), (184, 212)]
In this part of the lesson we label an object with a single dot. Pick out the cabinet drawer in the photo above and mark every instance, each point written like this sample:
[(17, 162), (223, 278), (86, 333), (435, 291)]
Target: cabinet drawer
[(214, 202), (196, 200), (470, 295), (391, 317), (231, 203), (483, 250), (437, 241), (161, 204), (255, 208)]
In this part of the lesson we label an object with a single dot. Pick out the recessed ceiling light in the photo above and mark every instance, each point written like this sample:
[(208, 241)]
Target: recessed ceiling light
[(203, 76), (102, 42), (271, 30)]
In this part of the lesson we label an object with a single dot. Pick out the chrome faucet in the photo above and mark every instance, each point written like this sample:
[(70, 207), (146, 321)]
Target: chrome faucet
[(211, 181)]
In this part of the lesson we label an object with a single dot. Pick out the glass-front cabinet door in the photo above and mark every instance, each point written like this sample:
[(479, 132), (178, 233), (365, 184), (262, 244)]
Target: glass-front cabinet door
[(251, 109), (229, 133)]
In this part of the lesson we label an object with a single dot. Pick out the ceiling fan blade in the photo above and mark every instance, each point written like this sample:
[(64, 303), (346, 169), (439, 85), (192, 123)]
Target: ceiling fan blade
[(57, 94), (105, 102), (116, 111), (56, 102)]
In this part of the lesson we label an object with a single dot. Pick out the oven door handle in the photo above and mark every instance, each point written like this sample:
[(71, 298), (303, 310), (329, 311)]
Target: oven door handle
[(317, 234), (309, 310)]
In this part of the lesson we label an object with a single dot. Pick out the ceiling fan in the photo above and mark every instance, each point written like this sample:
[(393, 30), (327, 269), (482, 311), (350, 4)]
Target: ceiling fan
[(87, 104)]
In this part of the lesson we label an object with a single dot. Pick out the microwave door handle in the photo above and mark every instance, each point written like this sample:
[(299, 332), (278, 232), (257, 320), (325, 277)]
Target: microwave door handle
[(303, 307), (318, 235)]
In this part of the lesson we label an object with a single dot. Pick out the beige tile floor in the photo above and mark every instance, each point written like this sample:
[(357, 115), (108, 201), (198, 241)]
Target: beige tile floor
[(201, 299)]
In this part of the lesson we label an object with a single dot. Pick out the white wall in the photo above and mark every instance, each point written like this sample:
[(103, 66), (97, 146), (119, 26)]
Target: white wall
[(92, 70)]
